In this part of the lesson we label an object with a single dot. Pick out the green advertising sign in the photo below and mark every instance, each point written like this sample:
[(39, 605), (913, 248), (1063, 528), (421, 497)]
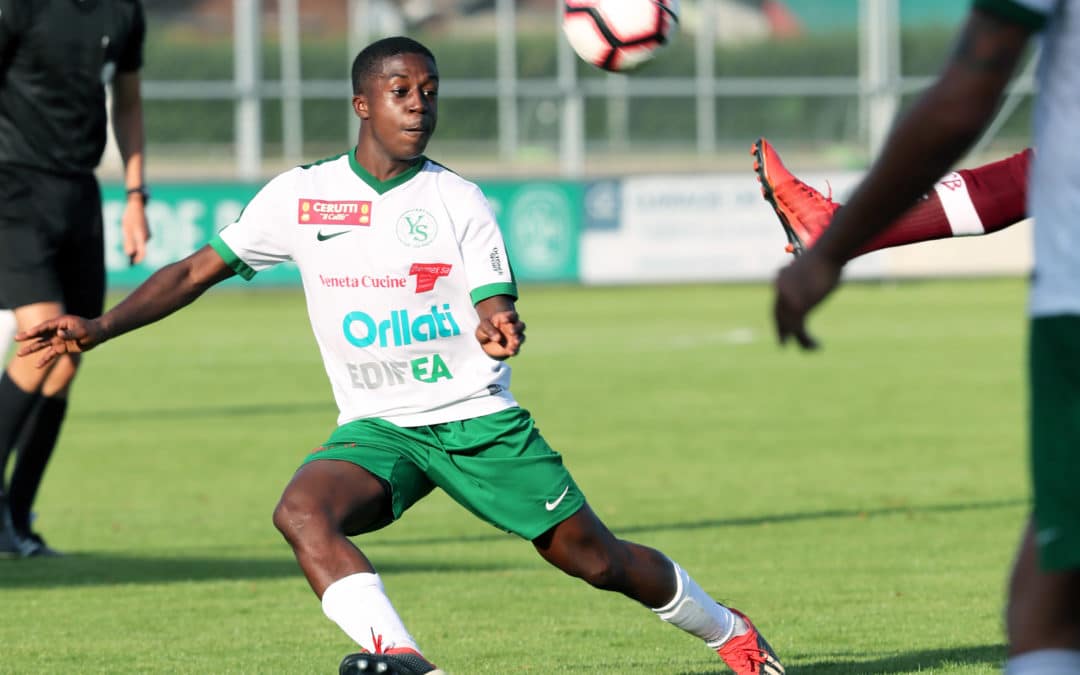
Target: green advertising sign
[(541, 223)]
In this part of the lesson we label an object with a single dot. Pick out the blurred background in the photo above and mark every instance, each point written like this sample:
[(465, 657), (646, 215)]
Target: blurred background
[(590, 171)]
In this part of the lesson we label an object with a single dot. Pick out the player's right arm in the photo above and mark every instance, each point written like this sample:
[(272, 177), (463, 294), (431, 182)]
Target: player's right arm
[(167, 290)]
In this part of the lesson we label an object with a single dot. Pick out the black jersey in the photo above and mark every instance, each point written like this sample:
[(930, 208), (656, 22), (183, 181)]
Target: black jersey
[(56, 56)]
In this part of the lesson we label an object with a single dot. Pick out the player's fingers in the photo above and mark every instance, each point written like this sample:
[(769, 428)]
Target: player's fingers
[(47, 358), (486, 332), (140, 248), (43, 328), (31, 347), (781, 320), (806, 341)]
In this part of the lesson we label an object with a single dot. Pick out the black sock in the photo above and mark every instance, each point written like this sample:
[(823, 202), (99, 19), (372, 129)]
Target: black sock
[(15, 407), (35, 448)]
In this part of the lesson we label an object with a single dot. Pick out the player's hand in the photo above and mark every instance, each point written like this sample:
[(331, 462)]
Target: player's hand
[(501, 334), (136, 231), (800, 287), (67, 334)]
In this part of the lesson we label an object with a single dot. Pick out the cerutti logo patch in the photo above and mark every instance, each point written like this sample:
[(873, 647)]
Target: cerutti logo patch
[(326, 212)]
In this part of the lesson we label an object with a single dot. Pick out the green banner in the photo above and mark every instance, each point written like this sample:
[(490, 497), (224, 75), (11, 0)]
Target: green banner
[(541, 223)]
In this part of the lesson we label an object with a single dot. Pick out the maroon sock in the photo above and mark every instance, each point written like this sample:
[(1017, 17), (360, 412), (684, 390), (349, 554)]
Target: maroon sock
[(996, 191)]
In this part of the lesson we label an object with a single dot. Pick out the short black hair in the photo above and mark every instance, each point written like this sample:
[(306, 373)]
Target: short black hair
[(366, 62)]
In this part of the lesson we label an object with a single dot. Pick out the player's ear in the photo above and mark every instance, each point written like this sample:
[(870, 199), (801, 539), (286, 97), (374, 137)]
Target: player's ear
[(360, 106)]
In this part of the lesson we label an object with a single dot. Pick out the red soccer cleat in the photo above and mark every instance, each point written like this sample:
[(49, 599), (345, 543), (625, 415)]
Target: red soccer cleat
[(749, 653), (803, 211)]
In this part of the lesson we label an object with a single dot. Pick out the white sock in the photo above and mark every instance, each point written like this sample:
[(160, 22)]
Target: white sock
[(696, 613), (959, 210), (358, 604), (1045, 662)]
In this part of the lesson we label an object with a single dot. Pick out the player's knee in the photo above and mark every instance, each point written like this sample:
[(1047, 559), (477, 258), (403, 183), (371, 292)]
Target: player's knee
[(596, 566), (297, 517), (62, 374)]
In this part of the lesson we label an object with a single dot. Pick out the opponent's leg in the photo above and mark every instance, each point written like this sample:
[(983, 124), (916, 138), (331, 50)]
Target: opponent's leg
[(325, 501), (582, 546), (967, 202), (1043, 616)]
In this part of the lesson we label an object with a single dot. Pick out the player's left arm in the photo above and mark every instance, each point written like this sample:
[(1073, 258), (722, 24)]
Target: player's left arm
[(929, 139), (501, 331)]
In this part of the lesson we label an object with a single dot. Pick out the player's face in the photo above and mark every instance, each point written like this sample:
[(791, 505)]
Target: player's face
[(399, 105)]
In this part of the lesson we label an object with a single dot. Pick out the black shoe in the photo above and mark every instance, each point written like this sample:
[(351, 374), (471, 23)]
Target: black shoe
[(400, 663), (33, 546), (9, 543), (9, 540)]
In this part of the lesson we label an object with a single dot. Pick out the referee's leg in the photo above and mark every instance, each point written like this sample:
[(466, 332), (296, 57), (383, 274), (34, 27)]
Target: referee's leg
[(33, 403)]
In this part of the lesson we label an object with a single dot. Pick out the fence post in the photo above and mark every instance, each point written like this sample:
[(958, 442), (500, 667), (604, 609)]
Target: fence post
[(572, 122), (879, 69), (292, 120), (247, 76)]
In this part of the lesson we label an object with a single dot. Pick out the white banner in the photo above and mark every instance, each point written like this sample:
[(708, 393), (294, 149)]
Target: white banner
[(718, 227)]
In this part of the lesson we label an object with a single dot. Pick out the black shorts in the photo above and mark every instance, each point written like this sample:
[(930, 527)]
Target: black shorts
[(52, 245)]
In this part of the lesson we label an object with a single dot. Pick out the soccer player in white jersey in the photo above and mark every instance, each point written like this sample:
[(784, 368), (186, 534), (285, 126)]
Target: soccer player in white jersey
[(1043, 615), (411, 299)]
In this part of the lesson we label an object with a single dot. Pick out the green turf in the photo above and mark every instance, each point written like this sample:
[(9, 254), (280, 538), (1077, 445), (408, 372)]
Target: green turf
[(861, 503)]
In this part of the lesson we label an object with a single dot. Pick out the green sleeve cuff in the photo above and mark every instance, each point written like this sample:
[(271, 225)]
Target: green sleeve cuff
[(491, 290), (1015, 12), (231, 259)]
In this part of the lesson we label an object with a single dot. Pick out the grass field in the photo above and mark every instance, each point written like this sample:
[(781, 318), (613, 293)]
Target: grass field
[(861, 503)]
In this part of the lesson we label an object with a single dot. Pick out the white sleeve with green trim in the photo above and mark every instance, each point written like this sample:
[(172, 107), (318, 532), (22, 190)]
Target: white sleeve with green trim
[(487, 265), (263, 235)]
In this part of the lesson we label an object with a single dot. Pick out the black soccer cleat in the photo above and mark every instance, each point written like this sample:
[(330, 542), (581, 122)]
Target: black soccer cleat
[(403, 662)]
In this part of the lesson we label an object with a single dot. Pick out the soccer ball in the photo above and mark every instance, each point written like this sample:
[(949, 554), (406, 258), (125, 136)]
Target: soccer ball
[(619, 35)]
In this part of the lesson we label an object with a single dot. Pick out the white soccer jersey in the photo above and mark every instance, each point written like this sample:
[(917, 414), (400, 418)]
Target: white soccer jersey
[(391, 271), (1054, 178)]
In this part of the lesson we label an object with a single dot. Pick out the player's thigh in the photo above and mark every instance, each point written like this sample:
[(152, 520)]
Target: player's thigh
[(1054, 353), (342, 493), (24, 370), (390, 455), (30, 227), (1044, 606), (500, 468), (81, 251)]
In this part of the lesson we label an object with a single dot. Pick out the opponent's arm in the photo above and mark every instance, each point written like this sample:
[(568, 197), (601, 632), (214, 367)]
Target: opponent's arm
[(501, 331), (938, 129), (166, 291)]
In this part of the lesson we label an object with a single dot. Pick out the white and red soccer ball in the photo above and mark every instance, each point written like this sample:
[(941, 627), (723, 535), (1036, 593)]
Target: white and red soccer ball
[(619, 35)]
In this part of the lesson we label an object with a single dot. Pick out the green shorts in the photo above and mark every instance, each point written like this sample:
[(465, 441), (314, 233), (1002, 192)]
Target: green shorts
[(1054, 353), (498, 466)]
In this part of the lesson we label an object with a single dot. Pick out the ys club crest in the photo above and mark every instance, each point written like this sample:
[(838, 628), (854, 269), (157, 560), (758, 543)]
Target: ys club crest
[(416, 228)]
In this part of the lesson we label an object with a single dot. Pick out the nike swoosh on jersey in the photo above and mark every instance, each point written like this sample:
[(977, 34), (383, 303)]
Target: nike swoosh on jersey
[(550, 506), (323, 237)]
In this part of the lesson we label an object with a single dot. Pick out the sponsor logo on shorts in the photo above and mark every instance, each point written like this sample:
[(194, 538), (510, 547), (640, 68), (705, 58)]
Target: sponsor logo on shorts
[(326, 212), (551, 506), (427, 274), (399, 329)]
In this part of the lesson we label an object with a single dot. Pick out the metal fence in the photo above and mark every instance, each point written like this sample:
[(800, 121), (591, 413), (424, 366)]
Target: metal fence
[(278, 87)]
